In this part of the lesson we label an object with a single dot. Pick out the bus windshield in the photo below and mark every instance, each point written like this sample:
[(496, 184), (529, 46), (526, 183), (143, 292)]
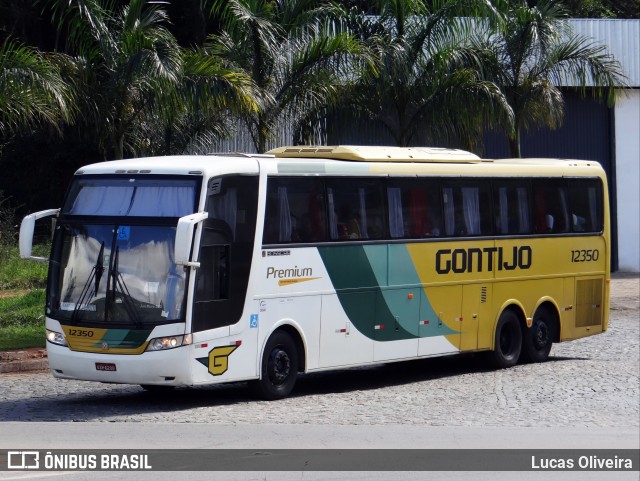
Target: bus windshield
[(116, 275)]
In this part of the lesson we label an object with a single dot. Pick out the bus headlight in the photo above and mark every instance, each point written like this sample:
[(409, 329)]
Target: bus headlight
[(169, 342), (56, 338)]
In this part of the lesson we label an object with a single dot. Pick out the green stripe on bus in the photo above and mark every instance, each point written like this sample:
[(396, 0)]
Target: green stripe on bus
[(361, 276), (124, 338)]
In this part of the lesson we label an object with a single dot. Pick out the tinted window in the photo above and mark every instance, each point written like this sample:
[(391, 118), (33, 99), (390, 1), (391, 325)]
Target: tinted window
[(466, 208), (551, 206), (585, 201), (295, 211), (355, 209), (512, 206), (414, 208)]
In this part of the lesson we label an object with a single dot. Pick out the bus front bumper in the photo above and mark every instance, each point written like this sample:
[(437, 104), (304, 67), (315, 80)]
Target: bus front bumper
[(171, 367)]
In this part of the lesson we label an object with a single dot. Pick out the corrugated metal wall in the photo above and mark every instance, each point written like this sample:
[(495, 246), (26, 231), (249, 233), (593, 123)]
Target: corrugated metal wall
[(584, 134), (622, 39)]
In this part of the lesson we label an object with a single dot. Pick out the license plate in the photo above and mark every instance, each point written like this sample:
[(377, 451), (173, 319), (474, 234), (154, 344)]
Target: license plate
[(105, 366)]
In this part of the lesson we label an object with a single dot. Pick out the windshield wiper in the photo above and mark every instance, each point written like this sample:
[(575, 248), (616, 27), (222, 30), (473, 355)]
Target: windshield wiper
[(94, 275), (119, 284), (99, 269)]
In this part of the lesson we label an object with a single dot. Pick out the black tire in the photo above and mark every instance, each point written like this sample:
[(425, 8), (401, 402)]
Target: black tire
[(508, 341), (538, 339), (279, 367)]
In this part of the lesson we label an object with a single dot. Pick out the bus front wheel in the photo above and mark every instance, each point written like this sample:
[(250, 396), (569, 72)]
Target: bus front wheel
[(279, 367), (508, 341), (539, 337)]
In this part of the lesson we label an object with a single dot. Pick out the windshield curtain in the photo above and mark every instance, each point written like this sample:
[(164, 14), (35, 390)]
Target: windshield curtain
[(138, 197), (116, 274)]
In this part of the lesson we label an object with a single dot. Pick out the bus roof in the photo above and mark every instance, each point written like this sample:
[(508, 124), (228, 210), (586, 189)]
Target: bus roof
[(376, 153), (343, 160)]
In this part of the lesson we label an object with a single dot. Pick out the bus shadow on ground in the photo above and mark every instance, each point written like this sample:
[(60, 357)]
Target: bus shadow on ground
[(128, 403), (397, 373)]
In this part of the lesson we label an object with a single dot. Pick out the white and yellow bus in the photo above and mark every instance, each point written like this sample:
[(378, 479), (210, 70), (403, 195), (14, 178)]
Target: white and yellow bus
[(191, 270)]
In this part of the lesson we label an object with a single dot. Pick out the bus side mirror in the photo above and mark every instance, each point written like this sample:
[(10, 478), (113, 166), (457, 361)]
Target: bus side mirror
[(26, 233), (184, 238)]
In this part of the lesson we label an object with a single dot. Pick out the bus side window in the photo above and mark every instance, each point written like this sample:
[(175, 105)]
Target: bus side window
[(551, 201), (586, 205), (294, 211), (512, 207), (355, 209), (467, 208), (414, 208)]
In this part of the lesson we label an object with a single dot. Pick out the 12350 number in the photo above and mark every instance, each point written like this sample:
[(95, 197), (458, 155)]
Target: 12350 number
[(80, 333), (588, 255)]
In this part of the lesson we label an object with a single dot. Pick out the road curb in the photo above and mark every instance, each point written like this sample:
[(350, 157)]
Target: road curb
[(24, 360)]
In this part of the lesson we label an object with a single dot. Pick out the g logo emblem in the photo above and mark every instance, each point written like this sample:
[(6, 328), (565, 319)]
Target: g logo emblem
[(219, 359)]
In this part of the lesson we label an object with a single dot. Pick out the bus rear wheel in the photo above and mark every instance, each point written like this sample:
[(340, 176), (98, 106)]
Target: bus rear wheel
[(279, 367), (508, 341), (538, 339)]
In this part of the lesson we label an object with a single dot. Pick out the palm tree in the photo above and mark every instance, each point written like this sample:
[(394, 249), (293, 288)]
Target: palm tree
[(427, 82), (199, 109), (134, 77), (533, 54), (31, 90), (294, 55)]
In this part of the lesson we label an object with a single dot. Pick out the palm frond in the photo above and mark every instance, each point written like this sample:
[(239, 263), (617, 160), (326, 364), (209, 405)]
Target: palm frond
[(31, 89)]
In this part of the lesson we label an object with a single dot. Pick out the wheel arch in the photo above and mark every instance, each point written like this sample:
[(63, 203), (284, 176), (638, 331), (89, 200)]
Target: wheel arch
[(295, 332), (548, 304)]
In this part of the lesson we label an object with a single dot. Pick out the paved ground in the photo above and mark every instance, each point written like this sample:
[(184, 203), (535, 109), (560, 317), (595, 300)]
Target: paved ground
[(591, 382)]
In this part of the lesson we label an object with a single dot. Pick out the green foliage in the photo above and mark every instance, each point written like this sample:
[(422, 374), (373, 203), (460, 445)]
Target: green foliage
[(18, 273), (32, 90), (426, 82), (23, 310), (292, 51), (22, 321), (532, 53), (7, 232), (135, 83), (22, 337), (21, 313)]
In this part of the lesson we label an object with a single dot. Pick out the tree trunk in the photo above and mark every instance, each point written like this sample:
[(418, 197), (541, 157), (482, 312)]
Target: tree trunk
[(118, 147), (262, 135), (514, 144)]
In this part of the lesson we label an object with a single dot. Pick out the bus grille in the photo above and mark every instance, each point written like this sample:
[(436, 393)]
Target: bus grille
[(589, 302)]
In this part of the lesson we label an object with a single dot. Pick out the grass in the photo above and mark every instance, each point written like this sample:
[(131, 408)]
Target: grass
[(18, 273), (22, 298), (21, 337)]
